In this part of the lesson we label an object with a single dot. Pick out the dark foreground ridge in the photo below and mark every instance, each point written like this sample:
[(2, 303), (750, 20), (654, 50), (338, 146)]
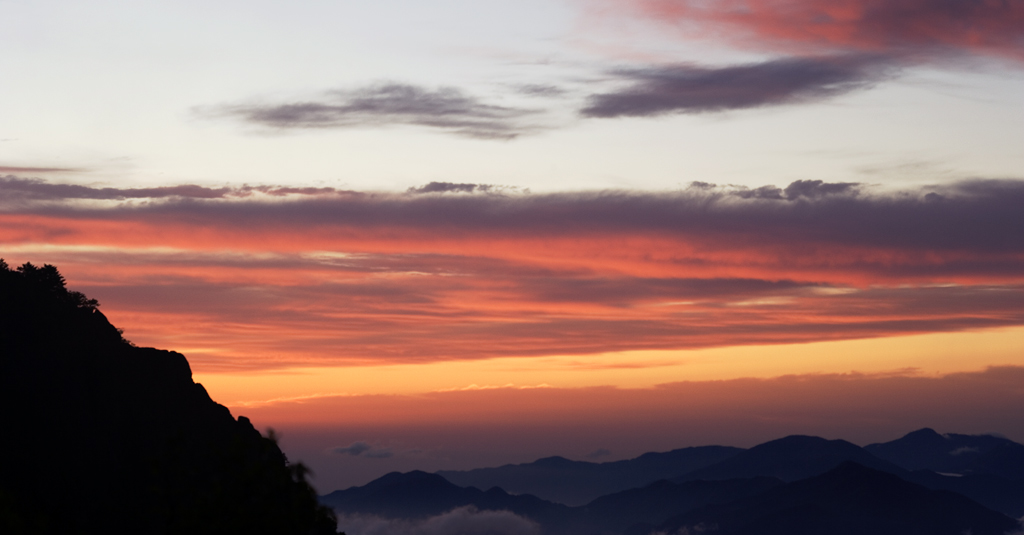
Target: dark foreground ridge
[(100, 436)]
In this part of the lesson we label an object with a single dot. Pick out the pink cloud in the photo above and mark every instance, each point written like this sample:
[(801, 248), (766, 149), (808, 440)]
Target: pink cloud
[(809, 26)]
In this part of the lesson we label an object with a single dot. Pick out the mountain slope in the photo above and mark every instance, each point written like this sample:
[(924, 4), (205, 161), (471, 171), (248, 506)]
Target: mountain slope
[(996, 493), (662, 500), (848, 500), (925, 449), (576, 482), (104, 437), (417, 495)]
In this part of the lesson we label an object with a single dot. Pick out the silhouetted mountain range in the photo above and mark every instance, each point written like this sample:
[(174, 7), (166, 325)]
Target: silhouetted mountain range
[(663, 499), (577, 482), (793, 485), (791, 458), (848, 500), (102, 437), (951, 453), (418, 495), (985, 468)]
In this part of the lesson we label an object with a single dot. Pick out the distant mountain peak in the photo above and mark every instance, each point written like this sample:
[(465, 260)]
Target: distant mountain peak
[(790, 440), (925, 449), (791, 458), (401, 477), (555, 460), (925, 433), (850, 499), (578, 482)]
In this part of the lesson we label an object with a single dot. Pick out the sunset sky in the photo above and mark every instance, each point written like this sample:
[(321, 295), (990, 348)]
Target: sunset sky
[(445, 234)]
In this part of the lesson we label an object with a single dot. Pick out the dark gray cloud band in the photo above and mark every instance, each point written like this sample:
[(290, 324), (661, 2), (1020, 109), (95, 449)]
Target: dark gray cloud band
[(15, 188), (29, 170), (688, 89), (975, 224), (972, 215), (447, 109)]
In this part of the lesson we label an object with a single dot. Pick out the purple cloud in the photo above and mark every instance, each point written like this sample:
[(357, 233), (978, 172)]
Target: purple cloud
[(690, 89)]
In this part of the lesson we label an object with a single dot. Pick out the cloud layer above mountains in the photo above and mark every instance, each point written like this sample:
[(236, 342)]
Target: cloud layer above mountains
[(464, 271)]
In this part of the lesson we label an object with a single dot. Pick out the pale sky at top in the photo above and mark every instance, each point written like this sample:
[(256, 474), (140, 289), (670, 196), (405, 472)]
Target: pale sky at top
[(124, 91)]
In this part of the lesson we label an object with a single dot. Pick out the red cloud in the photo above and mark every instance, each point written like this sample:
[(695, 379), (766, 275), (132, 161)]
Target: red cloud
[(988, 26)]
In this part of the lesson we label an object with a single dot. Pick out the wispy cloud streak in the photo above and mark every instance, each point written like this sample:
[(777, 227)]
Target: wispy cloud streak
[(447, 109), (14, 187), (29, 170)]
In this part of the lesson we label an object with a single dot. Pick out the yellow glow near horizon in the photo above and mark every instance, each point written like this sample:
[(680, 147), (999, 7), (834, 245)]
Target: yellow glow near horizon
[(928, 354)]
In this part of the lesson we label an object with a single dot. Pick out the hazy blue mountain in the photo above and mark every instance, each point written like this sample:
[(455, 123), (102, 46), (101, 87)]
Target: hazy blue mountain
[(792, 485), (789, 459), (996, 493), (925, 449), (662, 500), (577, 482), (848, 500), (418, 495)]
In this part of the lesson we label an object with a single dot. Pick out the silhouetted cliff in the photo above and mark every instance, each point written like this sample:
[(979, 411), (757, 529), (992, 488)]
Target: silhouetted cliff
[(100, 436)]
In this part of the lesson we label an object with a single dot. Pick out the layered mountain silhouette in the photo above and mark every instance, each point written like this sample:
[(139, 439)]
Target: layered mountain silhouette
[(793, 485), (577, 482), (985, 468), (102, 437), (791, 458), (625, 511), (797, 457), (926, 449), (848, 500), (419, 495)]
